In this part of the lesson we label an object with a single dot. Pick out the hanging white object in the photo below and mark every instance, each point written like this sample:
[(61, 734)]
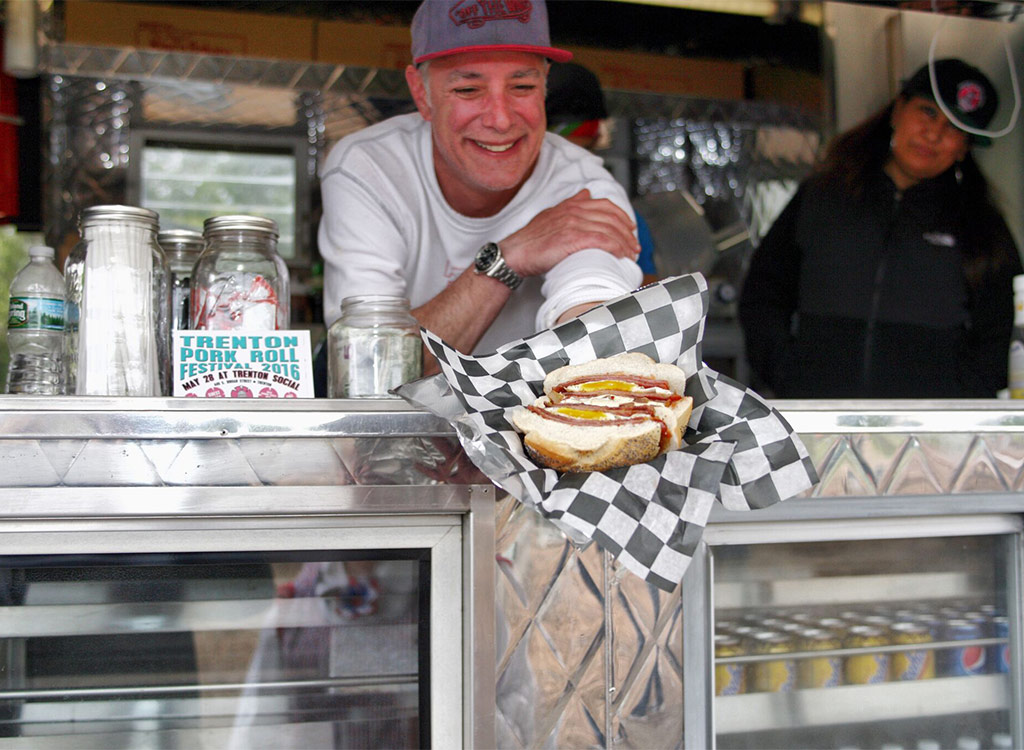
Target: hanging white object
[(953, 118), (21, 51)]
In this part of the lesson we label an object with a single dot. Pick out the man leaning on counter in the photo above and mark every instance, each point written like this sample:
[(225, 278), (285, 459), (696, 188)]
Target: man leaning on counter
[(491, 227)]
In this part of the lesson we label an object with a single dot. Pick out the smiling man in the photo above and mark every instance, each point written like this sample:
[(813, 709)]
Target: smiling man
[(492, 227)]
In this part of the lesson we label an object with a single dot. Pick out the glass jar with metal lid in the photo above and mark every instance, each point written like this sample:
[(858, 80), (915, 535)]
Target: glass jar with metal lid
[(182, 248), (239, 281), (373, 347), (117, 314)]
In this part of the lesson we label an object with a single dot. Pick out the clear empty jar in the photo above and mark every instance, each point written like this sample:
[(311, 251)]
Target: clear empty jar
[(373, 347), (239, 281), (117, 306), (182, 248)]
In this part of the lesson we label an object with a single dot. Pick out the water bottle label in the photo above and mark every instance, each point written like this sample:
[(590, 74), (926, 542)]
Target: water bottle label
[(36, 313)]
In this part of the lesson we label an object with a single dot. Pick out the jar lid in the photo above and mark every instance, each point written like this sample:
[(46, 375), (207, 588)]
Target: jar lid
[(96, 214), (240, 222), (182, 237), (374, 301)]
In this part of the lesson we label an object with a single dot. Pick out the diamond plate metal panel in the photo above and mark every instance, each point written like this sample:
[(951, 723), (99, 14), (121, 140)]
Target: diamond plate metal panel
[(312, 462), (104, 463), (842, 471), (27, 465), (647, 665), (649, 713)]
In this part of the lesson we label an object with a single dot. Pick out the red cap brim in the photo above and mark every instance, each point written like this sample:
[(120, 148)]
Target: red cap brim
[(552, 53)]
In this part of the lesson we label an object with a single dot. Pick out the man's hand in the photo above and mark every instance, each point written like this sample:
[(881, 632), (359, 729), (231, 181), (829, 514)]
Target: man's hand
[(577, 223)]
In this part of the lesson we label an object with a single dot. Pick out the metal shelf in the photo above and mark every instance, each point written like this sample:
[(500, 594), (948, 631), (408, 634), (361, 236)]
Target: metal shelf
[(853, 704)]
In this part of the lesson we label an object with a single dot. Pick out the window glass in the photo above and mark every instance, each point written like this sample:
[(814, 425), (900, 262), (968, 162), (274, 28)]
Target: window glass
[(187, 184)]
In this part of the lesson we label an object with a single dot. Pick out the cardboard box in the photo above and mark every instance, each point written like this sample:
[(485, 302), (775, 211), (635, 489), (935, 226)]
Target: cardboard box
[(371, 46), (794, 88), (663, 74), (212, 32), (363, 45)]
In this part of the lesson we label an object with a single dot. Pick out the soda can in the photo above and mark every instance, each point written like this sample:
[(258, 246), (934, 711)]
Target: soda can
[(916, 664), (904, 615), (931, 621), (775, 675), (834, 625), (962, 660), (865, 668), (730, 679), (724, 626), (806, 618), (976, 615), (999, 654), (884, 622), (819, 671), (743, 631)]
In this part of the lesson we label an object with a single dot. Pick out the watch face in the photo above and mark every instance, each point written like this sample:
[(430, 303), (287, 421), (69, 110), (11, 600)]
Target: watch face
[(486, 257)]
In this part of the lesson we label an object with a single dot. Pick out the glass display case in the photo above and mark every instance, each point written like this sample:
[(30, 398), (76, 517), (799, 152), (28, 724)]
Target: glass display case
[(271, 649), (863, 643)]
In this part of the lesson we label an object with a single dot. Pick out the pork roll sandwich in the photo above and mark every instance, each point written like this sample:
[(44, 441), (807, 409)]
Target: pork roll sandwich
[(606, 413)]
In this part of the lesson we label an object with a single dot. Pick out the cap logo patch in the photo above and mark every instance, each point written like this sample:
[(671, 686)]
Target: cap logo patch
[(475, 13), (969, 96)]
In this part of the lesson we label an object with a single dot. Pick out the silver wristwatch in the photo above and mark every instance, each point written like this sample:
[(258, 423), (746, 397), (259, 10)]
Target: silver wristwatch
[(490, 262)]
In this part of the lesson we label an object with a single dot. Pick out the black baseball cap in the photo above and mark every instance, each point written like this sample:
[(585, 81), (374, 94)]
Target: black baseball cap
[(965, 91), (573, 93)]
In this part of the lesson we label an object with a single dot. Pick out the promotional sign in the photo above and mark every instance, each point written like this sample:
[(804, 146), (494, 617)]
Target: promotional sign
[(242, 364)]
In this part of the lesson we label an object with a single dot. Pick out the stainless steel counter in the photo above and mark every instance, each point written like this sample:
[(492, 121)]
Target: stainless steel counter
[(582, 653)]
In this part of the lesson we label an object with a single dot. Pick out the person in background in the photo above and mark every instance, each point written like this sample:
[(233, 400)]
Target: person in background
[(889, 274), (491, 228), (576, 111)]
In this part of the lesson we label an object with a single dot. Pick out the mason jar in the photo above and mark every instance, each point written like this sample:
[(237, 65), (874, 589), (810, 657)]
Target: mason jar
[(117, 305), (239, 281), (182, 248), (373, 347)]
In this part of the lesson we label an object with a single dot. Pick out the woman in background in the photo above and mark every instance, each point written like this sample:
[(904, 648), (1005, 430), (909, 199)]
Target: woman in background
[(889, 274)]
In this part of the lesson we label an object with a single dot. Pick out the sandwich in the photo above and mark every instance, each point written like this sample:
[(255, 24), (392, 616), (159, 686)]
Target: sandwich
[(606, 413)]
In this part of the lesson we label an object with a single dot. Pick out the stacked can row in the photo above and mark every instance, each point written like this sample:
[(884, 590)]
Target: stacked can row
[(880, 644)]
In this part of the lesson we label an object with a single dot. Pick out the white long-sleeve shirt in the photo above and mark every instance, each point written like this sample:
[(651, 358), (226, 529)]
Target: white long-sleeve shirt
[(387, 228)]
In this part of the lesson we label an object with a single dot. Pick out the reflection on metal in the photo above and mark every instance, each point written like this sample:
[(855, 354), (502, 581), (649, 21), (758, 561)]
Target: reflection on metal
[(95, 95), (144, 65), (334, 684)]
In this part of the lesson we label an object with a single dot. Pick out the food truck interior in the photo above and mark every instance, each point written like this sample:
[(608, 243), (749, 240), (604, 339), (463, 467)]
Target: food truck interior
[(716, 115)]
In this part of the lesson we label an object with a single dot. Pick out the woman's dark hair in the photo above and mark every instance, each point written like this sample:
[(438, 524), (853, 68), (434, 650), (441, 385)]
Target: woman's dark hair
[(856, 157)]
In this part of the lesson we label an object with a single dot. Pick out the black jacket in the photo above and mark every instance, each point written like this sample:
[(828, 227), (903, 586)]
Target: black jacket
[(867, 298)]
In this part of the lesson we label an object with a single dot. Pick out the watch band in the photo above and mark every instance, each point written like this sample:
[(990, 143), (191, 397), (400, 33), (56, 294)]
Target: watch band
[(499, 269)]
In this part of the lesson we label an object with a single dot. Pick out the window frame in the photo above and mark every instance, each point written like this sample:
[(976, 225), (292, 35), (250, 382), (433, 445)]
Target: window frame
[(235, 140)]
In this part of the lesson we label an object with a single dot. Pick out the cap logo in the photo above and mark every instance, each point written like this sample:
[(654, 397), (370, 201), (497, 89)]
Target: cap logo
[(475, 13), (970, 97)]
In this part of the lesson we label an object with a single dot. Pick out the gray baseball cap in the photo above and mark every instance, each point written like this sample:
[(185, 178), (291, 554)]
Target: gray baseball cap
[(448, 27)]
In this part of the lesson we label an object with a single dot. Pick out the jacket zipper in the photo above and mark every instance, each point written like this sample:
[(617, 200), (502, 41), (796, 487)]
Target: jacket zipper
[(876, 294)]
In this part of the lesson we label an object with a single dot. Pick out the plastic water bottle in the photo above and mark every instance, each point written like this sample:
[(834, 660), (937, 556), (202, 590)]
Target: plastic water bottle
[(1015, 375), (35, 326)]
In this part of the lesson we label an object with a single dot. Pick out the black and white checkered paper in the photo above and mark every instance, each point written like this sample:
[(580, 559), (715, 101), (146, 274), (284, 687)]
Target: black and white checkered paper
[(737, 449)]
